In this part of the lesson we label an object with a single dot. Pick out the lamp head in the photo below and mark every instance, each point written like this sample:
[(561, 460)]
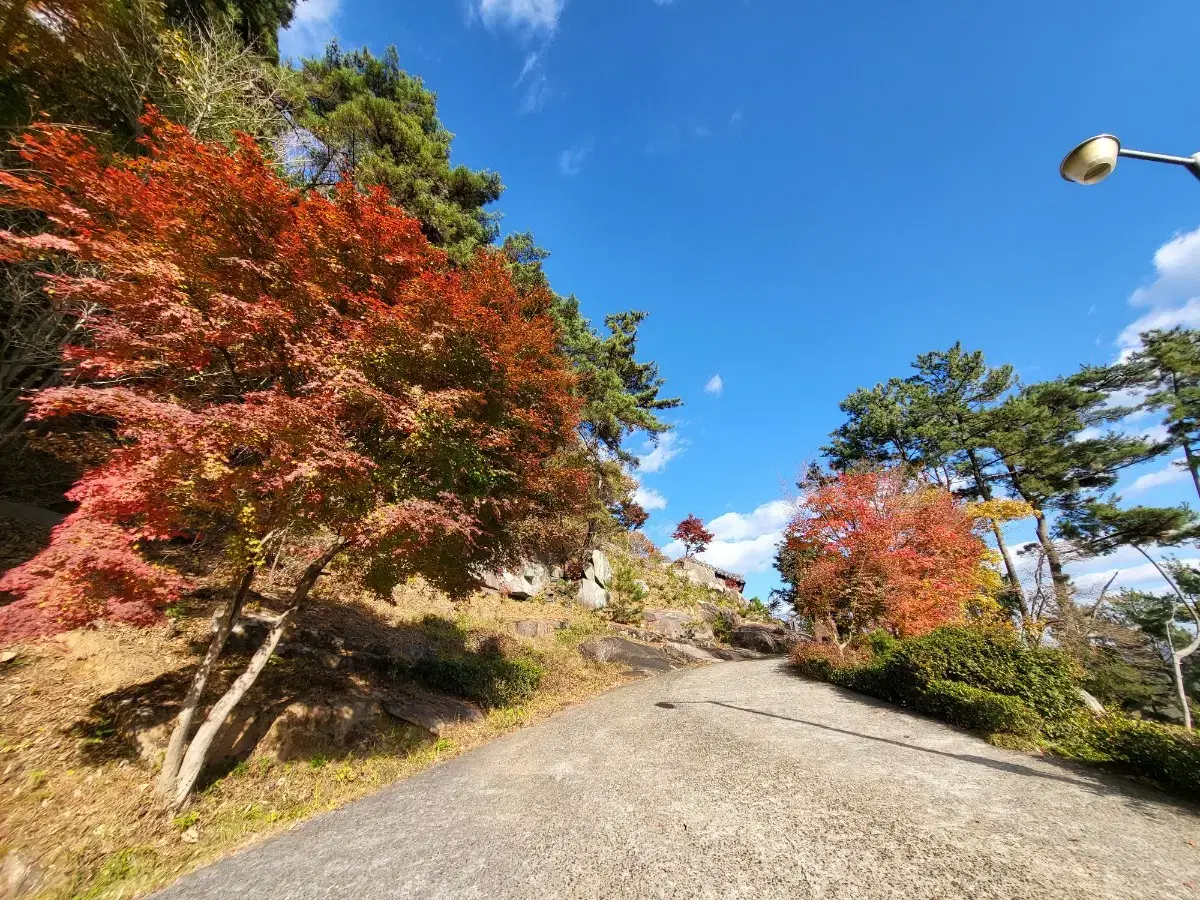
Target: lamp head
[(1091, 161)]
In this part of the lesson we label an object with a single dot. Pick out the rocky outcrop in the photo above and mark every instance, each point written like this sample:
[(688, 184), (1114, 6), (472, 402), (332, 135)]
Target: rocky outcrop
[(308, 725), (689, 653), (639, 657), (527, 581), (19, 877), (762, 637), (599, 569), (532, 628), (591, 595), (431, 712), (677, 624)]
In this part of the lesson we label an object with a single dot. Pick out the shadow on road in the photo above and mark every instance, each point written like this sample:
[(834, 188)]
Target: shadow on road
[(1014, 768)]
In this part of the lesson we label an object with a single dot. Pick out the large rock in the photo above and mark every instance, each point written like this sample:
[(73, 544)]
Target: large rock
[(639, 657), (19, 877), (677, 625), (599, 569), (688, 653), (591, 595), (761, 637), (1090, 703), (431, 712), (533, 628), (306, 726), (529, 579)]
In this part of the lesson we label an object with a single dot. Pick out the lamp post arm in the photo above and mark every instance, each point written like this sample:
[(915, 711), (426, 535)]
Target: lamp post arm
[(1191, 163)]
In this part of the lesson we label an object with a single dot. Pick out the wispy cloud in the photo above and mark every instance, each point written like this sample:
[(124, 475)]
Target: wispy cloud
[(715, 385), (655, 456), (648, 498), (1173, 472), (570, 161), (311, 28), (1172, 297), (539, 16), (735, 118)]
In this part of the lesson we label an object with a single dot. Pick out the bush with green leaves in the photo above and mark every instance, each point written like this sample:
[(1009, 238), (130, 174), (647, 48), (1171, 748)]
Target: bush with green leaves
[(984, 679), (490, 679), (992, 659), (627, 602), (1164, 754)]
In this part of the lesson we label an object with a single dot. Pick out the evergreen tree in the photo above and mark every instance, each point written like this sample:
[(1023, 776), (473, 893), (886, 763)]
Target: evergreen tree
[(1101, 527), (363, 117), (1166, 372), (1047, 461)]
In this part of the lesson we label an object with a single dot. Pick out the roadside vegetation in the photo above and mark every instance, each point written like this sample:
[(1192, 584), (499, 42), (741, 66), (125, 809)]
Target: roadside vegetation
[(887, 572)]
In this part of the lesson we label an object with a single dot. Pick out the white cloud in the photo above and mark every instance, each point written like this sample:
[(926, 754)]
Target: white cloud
[(743, 542), (570, 161), (715, 385), (531, 63), (736, 117), (649, 498), (657, 455), (770, 517), (529, 15), (1174, 471), (1172, 297), (311, 28), (1143, 576)]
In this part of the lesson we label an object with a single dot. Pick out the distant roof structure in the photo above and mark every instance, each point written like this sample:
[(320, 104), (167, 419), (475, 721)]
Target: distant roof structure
[(723, 574)]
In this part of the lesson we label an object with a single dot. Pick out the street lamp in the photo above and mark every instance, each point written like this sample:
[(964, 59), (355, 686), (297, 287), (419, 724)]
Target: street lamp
[(1095, 158)]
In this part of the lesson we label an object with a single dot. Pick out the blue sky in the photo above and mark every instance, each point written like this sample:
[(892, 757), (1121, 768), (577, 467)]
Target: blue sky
[(806, 196)]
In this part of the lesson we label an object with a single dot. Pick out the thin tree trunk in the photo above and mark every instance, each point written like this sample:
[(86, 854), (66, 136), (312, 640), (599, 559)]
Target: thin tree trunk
[(1177, 656), (197, 752), (1010, 567), (1192, 463), (223, 622), (1058, 577)]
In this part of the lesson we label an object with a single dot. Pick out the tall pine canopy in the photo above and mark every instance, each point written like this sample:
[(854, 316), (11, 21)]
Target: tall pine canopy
[(363, 117)]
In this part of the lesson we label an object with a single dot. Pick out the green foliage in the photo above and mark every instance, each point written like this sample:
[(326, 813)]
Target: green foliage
[(977, 709), (491, 679), (257, 22), (1164, 754), (757, 610), (993, 659), (372, 121), (628, 597), (722, 628)]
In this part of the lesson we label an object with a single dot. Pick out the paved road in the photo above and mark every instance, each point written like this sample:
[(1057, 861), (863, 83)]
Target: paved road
[(736, 780)]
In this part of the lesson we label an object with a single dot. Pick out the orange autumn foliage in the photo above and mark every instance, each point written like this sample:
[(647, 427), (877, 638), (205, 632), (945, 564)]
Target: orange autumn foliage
[(874, 551)]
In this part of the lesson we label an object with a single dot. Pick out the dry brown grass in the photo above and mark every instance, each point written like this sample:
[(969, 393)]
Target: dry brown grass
[(76, 799)]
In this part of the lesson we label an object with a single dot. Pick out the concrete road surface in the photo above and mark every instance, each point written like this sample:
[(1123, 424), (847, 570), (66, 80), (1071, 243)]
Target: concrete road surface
[(735, 780)]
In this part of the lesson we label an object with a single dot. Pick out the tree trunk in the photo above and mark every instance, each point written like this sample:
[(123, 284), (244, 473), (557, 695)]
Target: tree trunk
[(1060, 579), (223, 622), (1177, 656), (197, 752), (1010, 567), (1192, 463)]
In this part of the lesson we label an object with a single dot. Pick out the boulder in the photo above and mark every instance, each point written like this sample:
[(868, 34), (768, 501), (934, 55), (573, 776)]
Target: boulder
[(431, 712), (676, 625), (591, 595), (643, 586), (688, 653), (19, 877), (307, 725), (537, 627), (761, 637), (599, 569), (638, 657)]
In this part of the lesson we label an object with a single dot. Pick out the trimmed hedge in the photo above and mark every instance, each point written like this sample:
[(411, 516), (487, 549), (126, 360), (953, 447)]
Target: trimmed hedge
[(977, 709), (1161, 753), (983, 679)]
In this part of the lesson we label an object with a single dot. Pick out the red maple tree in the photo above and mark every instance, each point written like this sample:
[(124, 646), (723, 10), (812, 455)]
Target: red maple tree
[(870, 550), (272, 361), (693, 535)]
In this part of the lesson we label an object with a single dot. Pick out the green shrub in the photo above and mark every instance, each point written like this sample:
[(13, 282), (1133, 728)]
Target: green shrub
[(979, 710), (1162, 753), (993, 659), (722, 627), (628, 598), (490, 679)]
